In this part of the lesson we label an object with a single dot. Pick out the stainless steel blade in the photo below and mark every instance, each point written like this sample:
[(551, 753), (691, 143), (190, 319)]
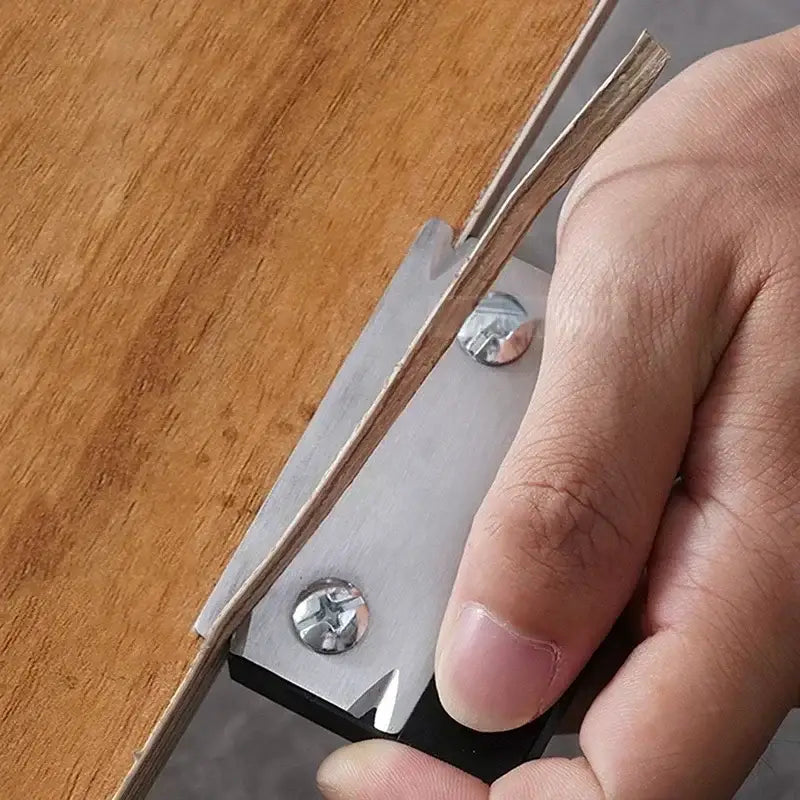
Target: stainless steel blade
[(399, 530)]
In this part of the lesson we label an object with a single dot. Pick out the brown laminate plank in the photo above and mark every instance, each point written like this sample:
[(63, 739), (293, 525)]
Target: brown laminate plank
[(201, 203)]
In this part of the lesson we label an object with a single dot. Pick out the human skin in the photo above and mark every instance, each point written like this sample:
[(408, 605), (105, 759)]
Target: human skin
[(672, 345)]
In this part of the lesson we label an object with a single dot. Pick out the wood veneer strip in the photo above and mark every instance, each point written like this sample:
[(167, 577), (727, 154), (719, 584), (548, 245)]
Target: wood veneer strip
[(490, 198)]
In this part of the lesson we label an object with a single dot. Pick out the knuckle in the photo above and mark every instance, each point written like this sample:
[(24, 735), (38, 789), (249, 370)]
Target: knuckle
[(717, 66), (560, 528), (722, 107)]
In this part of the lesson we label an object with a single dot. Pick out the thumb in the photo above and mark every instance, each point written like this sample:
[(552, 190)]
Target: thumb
[(560, 542)]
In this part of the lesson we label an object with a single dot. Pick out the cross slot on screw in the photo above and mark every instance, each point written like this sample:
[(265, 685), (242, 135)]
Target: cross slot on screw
[(330, 616), (498, 331)]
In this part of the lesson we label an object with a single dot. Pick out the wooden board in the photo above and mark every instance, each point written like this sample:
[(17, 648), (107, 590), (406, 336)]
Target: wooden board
[(200, 204)]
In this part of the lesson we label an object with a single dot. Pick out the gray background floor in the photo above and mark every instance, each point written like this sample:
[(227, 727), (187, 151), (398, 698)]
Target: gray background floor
[(240, 746)]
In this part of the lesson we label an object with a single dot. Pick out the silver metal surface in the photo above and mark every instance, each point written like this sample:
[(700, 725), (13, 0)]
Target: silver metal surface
[(330, 616), (498, 331), (399, 530)]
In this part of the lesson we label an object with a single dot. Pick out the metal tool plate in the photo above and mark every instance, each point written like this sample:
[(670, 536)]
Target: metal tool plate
[(399, 530)]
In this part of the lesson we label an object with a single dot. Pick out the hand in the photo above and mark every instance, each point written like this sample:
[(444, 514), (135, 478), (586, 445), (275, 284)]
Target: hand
[(672, 344)]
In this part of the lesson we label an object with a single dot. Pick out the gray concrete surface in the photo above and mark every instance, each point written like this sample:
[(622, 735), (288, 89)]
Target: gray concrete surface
[(240, 746)]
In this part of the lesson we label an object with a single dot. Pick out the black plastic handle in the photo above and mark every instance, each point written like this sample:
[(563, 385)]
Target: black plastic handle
[(430, 729)]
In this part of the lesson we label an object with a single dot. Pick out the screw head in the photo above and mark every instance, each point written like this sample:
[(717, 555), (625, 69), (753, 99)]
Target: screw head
[(330, 616), (498, 331)]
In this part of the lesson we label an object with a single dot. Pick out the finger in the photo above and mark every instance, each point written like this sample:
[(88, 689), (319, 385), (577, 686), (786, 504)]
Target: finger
[(678, 721), (634, 320), (695, 705), (389, 771), (381, 770), (602, 667), (686, 716)]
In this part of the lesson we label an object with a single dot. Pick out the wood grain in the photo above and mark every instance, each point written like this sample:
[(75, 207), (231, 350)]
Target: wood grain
[(201, 203), (623, 91)]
